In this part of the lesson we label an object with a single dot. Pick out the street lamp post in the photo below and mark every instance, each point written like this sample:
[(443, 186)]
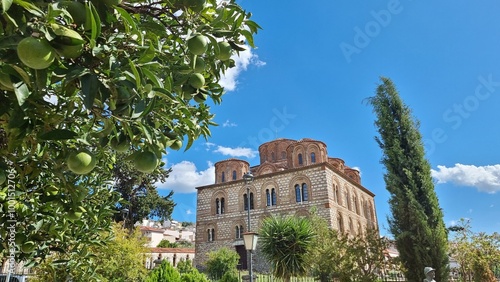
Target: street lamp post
[(248, 177)]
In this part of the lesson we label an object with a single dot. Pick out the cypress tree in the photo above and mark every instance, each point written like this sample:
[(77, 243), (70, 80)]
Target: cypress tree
[(416, 220)]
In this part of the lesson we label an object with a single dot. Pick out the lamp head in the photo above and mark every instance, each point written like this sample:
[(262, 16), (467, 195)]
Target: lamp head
[(248, 177)]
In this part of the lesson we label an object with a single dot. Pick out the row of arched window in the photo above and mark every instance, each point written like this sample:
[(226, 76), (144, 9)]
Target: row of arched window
[(239, 230), (223, 176), (301, 160), (367, 208), (301, 195), (350, 228)]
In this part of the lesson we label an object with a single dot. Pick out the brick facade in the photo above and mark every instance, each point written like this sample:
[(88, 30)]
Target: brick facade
[(293, 176)]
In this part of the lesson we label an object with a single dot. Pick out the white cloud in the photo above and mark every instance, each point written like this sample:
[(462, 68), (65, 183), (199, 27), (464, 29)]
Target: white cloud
[(209, 145), (185, 177), (358, 169), (228, 123), (188, 211), (236, 152), (484, 178), (229, 79)]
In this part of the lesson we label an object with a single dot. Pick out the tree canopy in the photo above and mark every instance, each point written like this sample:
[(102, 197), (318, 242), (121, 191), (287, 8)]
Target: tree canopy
[(83, 80), (416, 219)]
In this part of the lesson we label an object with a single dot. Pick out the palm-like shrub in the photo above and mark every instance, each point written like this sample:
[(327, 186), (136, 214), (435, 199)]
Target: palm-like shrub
[(286, 242)]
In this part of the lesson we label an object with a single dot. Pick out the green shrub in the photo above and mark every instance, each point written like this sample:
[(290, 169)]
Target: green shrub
[(194, 276), (165, 272), (221, 261), (229, 276)]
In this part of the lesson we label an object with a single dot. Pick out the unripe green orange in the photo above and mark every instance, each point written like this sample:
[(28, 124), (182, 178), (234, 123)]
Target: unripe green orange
[(200, 97), (76, 10), (145, 161), (35, 53), (176, 145), (196, 80), (81, 162), (28, 247), (199, 65), (224, 51), (198, 44)]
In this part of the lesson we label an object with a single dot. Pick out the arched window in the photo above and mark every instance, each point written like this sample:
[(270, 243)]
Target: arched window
[(175, 260), (222, 208), (211, 235), (356, 204), (234, 174), (239, 231), (298, 197), (360, 231), (223, 177), (217, 206), (337, 194), (268, 198), (300, 159), (351, 226), (313, 158), (340, 223), (305, 193), (365, 209), (346, 199), (273, 157), (273, 197), (251, 200), (301, 193), (283, 155)]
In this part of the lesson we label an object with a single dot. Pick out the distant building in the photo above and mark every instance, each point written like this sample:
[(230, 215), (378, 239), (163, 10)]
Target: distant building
[(171, 231), (172, 255), (292, 177)]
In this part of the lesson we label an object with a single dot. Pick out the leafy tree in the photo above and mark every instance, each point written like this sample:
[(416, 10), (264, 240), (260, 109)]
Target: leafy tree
[(141, 198), (83, 80), (180, 244), (187, 223), (221, 261), (286, 242), (416, 219), (477, 254), (165, 272), (119, 260), (165, 244), (185, 266), (189, 273), (367, 250), (330, 257)]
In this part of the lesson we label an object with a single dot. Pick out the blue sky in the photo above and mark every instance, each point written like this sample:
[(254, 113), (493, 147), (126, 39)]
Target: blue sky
[(316, 63)]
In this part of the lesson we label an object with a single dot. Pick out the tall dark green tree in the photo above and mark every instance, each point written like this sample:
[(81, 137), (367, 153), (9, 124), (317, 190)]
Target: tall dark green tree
[(140, 196), (417, 220)]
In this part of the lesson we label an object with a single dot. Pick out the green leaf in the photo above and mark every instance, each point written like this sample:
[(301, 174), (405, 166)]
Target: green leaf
[(32, 8), (154, 79), (126, 16), (248, 37), (148, 55), (136, 73), (90, 84), (22, 92), (6, 5), (139, 109), (59, 134)]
